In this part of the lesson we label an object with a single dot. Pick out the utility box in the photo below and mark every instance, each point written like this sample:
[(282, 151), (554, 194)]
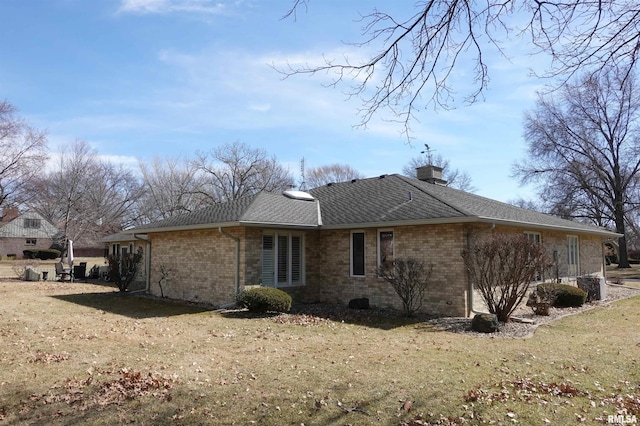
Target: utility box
[(31, 275), (80, 271)]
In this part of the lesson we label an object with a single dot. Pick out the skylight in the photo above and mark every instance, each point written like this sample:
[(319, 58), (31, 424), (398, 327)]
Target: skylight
[(299, 195)]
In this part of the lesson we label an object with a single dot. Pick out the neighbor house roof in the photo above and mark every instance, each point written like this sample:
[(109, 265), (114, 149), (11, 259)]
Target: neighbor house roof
[(387, 200), (16, 228)]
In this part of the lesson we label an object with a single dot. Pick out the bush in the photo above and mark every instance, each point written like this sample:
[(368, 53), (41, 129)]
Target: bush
[(409, 278), (541, 299), (20, 267), (569, 296), (566, 296), (496, 268), (634, 254), (264, 299), (42, 254)]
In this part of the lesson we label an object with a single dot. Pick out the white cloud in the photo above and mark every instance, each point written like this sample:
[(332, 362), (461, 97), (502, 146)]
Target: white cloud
[(172, 6), (260, 107)]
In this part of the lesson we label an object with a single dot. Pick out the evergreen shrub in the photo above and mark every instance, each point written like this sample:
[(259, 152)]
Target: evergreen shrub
[(264, 299)]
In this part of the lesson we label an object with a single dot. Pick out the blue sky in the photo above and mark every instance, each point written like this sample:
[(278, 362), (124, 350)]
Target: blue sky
[(139, 79)]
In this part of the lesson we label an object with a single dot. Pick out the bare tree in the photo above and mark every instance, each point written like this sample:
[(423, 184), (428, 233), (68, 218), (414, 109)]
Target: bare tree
[(410, 279), (454, 177), (235, 170), (109, 205), (23, 153), (87, 198), (415, 56), (171, 186), (322, 175), (584, 150), (501, 267)]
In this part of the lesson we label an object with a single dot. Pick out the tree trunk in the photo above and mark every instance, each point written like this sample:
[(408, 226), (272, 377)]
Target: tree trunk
[(623, 256)]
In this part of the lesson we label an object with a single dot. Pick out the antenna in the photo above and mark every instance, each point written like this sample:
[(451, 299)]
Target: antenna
[(428, 151), (303, 184)]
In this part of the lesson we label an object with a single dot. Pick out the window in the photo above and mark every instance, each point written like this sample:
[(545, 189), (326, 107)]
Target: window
[(573, 255), (31, 241), (385, 248), (282, 259), (357, 254), (535, 238), (32, 223)]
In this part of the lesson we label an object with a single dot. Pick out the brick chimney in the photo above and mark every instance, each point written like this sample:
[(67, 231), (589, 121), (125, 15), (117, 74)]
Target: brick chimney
[(431, 174), (9, 213)]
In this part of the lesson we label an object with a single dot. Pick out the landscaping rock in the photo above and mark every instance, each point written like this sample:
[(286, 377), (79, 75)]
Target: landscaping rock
[(485, 323)]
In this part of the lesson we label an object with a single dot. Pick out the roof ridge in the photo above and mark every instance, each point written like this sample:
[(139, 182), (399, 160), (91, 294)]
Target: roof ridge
[(411, 181)]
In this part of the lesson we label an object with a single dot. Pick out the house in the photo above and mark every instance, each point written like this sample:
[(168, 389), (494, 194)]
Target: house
[(325, 245), (19, 232), (121, 244)]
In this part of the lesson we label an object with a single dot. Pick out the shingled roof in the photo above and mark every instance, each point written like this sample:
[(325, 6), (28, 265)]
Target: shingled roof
[(394, 200), (264, 208), (387, 200)]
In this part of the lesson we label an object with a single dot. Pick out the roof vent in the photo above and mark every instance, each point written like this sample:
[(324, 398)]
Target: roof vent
[(382, 176), (354, 180), (298, 195)]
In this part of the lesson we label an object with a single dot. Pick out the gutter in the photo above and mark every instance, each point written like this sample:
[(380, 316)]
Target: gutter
[(236, 278)]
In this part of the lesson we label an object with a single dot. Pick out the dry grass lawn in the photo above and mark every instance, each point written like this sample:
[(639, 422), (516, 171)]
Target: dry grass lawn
[(81, 354), (632, 273)]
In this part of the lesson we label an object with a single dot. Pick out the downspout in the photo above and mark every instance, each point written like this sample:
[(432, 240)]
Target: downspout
[(236, 278), (147, 265)]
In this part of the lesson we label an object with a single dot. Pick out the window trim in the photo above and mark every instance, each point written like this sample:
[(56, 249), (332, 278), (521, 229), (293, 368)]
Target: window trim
[(289, 261), (32, 223), (574, 273), (31, 241), (537, 236), (379, 248), (352, 253)]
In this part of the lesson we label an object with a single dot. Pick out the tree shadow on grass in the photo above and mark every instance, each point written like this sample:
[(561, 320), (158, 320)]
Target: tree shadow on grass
[(131, 306)]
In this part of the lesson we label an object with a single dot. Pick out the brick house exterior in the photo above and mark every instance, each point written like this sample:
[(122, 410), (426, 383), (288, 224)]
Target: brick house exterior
[(325, 246), (19, 232)]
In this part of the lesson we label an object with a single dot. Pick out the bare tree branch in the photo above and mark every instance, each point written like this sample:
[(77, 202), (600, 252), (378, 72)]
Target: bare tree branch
[(415, 57), (23, 152), (584, 150)]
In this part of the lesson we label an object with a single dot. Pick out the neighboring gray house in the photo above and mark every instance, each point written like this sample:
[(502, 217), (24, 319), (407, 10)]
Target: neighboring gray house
[(325, 246), (19, 232)]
